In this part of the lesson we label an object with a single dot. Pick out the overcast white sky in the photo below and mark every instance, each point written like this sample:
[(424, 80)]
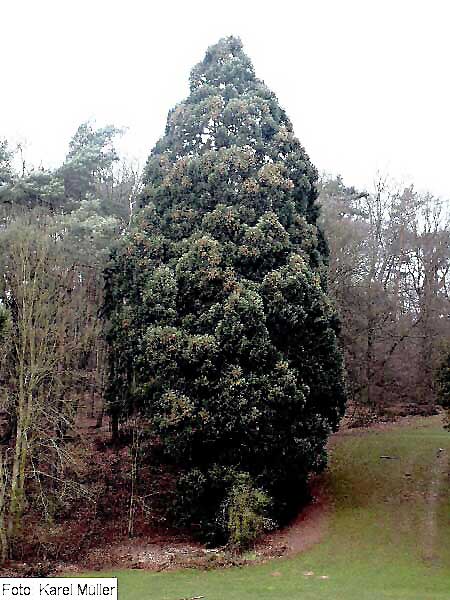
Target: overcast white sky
[(365, 82)]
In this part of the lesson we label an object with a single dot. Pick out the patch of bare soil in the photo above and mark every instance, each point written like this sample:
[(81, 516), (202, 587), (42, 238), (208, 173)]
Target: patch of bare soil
[(306, 530), (151, 553)]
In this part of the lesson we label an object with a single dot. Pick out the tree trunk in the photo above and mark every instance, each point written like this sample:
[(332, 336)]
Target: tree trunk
[(114, 426)]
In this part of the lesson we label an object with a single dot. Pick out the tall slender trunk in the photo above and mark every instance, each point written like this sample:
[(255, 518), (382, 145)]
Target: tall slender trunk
[(114, 426), (370, 353), (17, 491), (4, 545)]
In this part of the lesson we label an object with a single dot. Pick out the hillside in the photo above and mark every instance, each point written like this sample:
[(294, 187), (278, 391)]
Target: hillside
[(385, 534)]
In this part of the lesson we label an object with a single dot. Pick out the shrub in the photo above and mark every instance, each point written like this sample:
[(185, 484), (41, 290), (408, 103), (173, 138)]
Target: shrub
[(246, 510)]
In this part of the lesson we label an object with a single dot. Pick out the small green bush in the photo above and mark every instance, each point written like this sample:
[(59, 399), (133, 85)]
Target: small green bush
[(245, 509)]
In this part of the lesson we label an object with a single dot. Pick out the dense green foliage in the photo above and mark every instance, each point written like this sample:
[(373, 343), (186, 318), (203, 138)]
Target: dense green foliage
[(443, 384), (443, 380), (221, 329), (89, 160), (244, 511)]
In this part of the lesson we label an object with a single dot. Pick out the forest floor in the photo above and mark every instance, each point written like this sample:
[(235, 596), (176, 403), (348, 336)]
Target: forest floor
[(378, 529)]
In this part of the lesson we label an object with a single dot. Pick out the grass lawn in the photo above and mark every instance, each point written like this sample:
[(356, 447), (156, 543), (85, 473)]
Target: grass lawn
[(388, 535)]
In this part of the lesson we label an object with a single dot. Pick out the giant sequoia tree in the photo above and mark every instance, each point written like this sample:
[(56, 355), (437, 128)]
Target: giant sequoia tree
[(221, 331)]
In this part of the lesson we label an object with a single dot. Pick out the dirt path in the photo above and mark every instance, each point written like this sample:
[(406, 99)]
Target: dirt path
[(311, 525), (303, 532)]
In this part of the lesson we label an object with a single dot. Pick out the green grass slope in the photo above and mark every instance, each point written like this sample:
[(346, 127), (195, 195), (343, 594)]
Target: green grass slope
[(388, 534)]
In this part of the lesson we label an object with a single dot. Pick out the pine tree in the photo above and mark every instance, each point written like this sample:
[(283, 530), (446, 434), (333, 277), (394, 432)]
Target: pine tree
[(221, 330), (90, 159)]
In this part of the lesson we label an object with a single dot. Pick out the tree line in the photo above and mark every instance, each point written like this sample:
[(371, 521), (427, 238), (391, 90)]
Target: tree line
[(389, 277), (57, 229)]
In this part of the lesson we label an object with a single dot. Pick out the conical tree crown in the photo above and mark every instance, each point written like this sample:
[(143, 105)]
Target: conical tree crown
[(221, 329), (231, 127), (225, 65)]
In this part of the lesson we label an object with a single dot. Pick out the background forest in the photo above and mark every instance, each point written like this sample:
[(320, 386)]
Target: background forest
[(75, 453)]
